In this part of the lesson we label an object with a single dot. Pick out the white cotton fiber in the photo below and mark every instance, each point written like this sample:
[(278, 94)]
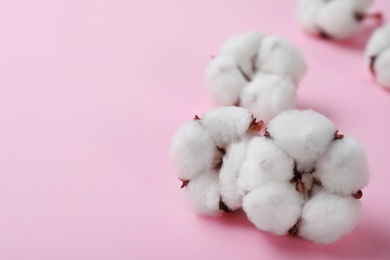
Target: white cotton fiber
[(243, 48), (307, 13), (203, 192), (227, 124), (343, 169), (276, 55), (228, 175), (265, 162), (379, 42), (268, 95), (326, 217), (337, 18), (303, 134), (382, 68), (273, 207), (192, 150), (224, 80)]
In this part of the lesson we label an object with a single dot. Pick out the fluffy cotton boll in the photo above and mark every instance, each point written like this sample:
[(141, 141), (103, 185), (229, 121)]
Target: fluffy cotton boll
[(224, 80), (265, 162), (203, 192), (268, 95), (326, 217), (379, 41), (228, 175), (227, 124), (303, 134), (307, 13), (337, 19), (192, 150), (382, 68), (343, 169), (273, 207), (276, 55), (243, 48)]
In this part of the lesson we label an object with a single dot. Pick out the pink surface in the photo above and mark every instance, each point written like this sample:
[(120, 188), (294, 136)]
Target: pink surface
[(92, 91)]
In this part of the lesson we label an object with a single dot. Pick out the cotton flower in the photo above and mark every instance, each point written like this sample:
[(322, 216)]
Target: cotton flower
[(336, 19), (378, 55), (302, 177), (258, 72)]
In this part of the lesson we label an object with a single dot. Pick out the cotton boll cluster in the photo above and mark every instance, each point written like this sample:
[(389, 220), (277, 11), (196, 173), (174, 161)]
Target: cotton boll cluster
[(198, 152), (337, 19), (258, 72), (302, 177), (378, 55), (307, 179)]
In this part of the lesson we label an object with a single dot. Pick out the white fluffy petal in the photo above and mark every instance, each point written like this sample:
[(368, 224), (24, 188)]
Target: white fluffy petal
[(326, 217), (337, 19), (307, 13), (224, 80), (192, 150), (379, 41), (228, 175), (227, 124), (203, 192), (303, 134), (243, 48), (382, 68), (343, 169), (274, 207), (277, 55), (265, 162), (268, 95)]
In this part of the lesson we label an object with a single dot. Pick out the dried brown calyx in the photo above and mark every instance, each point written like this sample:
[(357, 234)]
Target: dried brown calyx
[(372, 65), (295, 229), (267, 134), (184, 183), (325, 35), (358, 195), (255, 126), (337, 135), (223, 206), (196, 117), (218, 159), (378, 16), (297, 180)]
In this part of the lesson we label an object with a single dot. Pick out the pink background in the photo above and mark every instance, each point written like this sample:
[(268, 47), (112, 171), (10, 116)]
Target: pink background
[(91, 92)]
